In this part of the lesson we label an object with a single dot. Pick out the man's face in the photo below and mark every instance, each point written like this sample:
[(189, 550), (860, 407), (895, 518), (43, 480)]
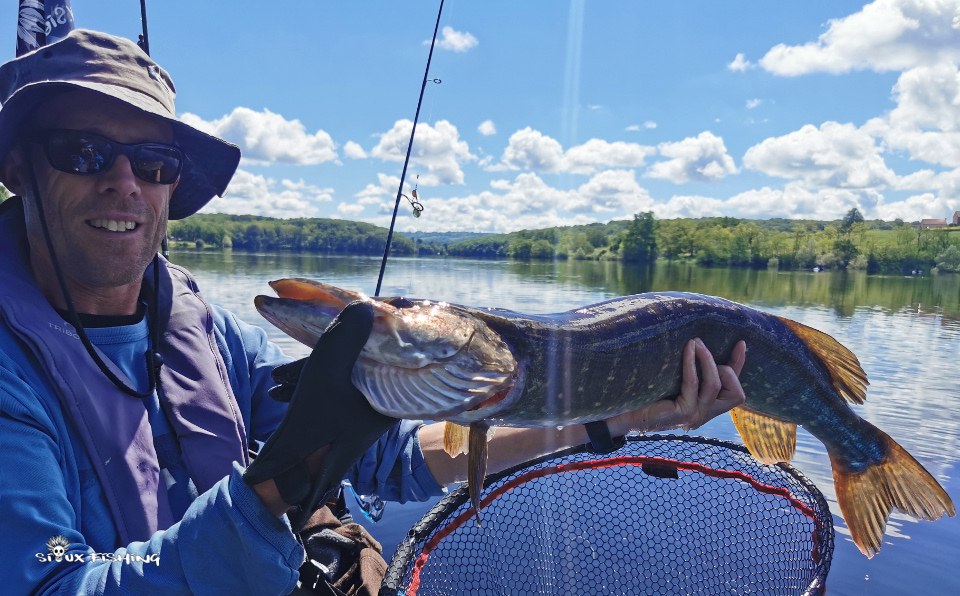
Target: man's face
[(89, 216)]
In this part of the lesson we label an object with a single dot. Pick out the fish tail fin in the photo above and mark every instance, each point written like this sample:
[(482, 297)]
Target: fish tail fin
[(769, 440), (899, 481)]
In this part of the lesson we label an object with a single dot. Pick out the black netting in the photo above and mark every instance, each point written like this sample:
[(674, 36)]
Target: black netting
[(581, 523)]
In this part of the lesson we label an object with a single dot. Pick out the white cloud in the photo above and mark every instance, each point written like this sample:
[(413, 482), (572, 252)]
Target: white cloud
[(918, 207), (752, 103), (256, 195), (741, 64), (354, 151), (611, 190), (795, 201), (835, 155), (532, 150), (649, 125), (885, 35), (437, 147), (487, 128), (454, 40), (703, 158), (265, 137), (351, 210), (926, 121), (597, 153)]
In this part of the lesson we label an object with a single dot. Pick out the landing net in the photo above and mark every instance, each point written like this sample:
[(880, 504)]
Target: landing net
[(662, 514)]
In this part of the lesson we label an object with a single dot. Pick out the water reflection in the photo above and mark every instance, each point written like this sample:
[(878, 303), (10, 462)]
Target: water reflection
[(905, 332)]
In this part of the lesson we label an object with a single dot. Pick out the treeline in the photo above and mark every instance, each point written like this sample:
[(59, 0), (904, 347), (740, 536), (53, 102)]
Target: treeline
[(251, 232), (850, 242)]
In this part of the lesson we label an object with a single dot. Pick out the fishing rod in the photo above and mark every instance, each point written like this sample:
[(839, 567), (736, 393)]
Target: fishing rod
[(144, 43), (406, 161)]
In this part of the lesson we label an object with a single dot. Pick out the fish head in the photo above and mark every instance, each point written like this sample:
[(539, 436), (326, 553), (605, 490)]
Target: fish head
[(428, 360)]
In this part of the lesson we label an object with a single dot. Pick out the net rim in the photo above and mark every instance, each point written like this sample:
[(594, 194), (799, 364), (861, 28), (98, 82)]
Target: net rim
[(440, 512)]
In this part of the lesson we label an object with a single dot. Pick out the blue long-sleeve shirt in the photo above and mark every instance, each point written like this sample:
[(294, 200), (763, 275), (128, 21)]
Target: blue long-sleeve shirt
[(225, 542)]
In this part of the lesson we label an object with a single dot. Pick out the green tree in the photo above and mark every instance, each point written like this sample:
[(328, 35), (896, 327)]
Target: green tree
[(541, 249), (253, 237), (949, 260), (596, 236), (639, 242), (845, 251), (4, 193), (853, 216)]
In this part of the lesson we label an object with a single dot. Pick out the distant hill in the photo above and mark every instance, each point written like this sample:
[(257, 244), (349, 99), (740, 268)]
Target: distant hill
[(443, 238)]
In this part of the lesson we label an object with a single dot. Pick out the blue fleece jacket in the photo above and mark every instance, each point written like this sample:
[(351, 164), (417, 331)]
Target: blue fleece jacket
[(226, 542)]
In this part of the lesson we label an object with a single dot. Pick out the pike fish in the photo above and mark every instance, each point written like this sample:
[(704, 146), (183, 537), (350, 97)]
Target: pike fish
[(482, 367)]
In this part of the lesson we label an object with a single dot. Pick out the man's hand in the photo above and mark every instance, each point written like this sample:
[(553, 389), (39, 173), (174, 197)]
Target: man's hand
[(700, 400)]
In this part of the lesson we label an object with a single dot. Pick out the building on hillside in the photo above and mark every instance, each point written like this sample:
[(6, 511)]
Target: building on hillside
[(956, 218), (927, 224)]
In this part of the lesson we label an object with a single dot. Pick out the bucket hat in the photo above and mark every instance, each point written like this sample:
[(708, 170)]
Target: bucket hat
[(118, 68)]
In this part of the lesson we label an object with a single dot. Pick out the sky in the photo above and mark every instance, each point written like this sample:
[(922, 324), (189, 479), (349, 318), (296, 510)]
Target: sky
[(564, 112)]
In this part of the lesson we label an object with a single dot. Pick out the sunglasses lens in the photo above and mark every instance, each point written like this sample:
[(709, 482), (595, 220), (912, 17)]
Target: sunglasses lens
[(157, 163), (82, 153), (79, 153)]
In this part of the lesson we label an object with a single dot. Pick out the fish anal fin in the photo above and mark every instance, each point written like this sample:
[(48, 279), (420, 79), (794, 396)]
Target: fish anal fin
[(477, 464), (455, 439), (769, 440), (867, 496), (845, 372)]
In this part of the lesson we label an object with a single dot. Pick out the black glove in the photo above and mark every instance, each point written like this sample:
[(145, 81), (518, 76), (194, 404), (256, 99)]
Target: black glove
[(325, 409)]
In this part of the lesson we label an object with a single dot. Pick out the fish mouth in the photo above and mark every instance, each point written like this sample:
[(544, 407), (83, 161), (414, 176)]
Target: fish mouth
[(425, 361)]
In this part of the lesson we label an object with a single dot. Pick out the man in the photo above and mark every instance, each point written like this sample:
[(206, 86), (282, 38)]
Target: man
[(127, 402)]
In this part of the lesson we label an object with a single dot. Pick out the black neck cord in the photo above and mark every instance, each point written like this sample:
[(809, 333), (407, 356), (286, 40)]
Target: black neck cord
[(153, 360)]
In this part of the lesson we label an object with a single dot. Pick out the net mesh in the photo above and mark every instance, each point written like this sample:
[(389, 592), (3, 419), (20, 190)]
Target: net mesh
[(619, 523)]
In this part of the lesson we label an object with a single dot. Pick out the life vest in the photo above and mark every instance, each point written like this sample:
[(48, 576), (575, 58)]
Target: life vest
[(193, 387)]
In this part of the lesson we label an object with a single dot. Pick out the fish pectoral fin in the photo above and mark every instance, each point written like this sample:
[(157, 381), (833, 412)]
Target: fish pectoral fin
[(867, 495), (455, 439), (769, 440), (845, 372), (477, 464)]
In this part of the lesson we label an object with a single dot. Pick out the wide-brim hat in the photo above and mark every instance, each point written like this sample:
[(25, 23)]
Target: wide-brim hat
[(118, 68)]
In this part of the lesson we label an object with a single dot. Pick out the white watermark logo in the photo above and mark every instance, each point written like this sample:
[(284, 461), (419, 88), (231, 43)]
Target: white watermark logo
[(58, 545)]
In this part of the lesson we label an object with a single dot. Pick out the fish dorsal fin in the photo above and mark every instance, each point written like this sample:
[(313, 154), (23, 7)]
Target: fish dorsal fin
[(845, 373), (455, 439), (769, 440)]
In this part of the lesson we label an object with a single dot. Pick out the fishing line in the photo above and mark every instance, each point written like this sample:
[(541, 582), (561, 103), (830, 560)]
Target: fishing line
[(406, 161), (153, 359)]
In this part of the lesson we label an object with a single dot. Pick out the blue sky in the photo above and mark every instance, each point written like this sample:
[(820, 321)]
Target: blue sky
[(556, 112)]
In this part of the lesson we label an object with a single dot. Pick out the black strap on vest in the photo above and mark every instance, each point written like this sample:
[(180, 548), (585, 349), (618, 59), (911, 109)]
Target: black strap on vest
[(600, 440)]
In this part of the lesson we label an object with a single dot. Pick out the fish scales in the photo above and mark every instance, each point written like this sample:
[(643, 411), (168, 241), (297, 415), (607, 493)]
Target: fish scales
[(614, 348)]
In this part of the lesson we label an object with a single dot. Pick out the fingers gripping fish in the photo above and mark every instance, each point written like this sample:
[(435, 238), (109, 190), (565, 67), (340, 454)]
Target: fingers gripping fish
[(482, 367)]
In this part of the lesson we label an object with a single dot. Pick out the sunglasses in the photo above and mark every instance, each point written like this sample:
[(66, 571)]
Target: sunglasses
[(87, 154)]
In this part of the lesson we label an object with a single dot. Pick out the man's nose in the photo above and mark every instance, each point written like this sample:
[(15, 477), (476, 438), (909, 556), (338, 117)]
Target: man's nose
[(120, 179)]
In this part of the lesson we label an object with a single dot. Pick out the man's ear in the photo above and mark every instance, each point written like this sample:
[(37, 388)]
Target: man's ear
[(11, 170)]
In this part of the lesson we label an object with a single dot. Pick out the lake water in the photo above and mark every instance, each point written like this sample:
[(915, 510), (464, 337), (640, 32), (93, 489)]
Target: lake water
[(905, 331)]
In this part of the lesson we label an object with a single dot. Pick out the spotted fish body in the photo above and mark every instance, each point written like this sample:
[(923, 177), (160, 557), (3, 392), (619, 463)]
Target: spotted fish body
[(617, 356), (605, 359)]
